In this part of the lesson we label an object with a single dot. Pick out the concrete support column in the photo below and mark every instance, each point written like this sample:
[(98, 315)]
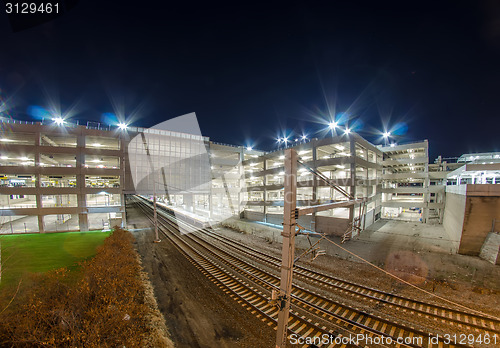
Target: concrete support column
[(210, 203), (264, 192), (187, 200), (124, 220), (80, 182), (38, 183), (425, 211), (241, 182), (352, 190), (315, 185), (427, 196), (83, 222), (123, 164), (41, 228)]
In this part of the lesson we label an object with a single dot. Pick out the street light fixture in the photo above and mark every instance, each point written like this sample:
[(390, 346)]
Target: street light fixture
[(386, 136), (58, 120)]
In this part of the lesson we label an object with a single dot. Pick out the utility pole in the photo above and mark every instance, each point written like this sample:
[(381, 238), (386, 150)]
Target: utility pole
[(289, 205), (290, 229)]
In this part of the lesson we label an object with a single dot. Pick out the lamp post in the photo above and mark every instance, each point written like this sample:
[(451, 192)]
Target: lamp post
[(386, 136)]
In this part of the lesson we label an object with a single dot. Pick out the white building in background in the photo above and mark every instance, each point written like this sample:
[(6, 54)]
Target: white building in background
[(472, 212), (476, 168)]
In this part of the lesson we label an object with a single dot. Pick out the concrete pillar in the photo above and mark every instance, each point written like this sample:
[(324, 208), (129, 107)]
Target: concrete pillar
[(38, 181), (83, 222), (426, 199), (241, 182), (352, 191), (426, 195), (80, 182), (264, 192), (210, 203), (188, 202), (315, 185), (41, 228)]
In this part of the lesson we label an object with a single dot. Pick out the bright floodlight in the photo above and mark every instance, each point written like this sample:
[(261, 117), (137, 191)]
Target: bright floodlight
[(393, 144), (249, 148), (386, 134), (58, 120), (347, 131), (332, 125), (304, 137), (122, 126)]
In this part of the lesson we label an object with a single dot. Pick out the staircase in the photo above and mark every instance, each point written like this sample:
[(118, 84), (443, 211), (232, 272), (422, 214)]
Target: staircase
[(355, 226)]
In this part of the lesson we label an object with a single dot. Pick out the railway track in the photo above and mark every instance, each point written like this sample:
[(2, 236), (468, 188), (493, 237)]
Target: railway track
[(439, 313), (328, 316), (253, 298)]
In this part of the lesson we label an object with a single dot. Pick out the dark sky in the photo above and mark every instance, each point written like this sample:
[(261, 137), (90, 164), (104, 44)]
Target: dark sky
[(250, 70)]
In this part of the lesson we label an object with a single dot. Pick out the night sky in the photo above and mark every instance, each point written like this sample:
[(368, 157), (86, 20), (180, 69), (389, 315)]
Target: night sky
[(252, 71)]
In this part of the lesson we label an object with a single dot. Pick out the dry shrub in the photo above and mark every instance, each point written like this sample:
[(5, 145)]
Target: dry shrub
[(104, 307)]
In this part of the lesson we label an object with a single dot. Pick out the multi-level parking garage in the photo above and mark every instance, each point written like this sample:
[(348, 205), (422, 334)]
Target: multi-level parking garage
[(413, 189), (65, 177), (348, 161), (59, 178)]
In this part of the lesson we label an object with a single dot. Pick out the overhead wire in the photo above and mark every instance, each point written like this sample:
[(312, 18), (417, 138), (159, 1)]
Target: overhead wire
[(410, 284)]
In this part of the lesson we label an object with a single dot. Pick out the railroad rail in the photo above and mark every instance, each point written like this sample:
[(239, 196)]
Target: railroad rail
[(251, 297), (460, 318), (324, 312)]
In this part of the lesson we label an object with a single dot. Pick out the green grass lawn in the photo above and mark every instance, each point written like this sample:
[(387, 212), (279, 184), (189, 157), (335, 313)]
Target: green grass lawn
[(43, 252)]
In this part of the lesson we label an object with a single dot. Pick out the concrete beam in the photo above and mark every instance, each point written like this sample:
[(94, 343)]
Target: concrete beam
[(327, 206)]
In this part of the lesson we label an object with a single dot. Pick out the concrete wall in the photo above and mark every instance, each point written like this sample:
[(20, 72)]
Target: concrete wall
[(251, 227), (275, 219), (454, 215), (331, 225), (325, 224), (369, 218), (490, 249), (479, 214), (304, 221), (253, 215)]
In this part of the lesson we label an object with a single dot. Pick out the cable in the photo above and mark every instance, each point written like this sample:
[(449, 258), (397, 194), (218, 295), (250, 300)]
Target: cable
[(325, 179), (410, 284)]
